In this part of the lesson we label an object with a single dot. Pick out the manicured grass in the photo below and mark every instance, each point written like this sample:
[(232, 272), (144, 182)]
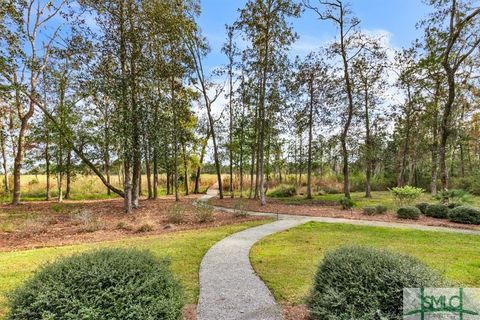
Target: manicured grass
[(378, 197), (287, 261), (185, 250)]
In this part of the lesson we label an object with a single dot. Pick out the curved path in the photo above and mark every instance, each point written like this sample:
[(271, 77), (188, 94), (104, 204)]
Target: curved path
[(229, 287)]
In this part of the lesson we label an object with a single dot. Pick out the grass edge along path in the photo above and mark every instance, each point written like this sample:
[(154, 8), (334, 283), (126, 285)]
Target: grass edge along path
[(185, 249), (287, 261)]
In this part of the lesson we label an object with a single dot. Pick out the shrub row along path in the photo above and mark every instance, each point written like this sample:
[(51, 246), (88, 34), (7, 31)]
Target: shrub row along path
[(229, 287)]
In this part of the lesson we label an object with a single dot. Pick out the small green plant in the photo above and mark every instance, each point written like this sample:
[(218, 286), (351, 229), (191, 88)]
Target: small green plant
[(405, 196), (366, 283), (465, 214), (380, 209), (422, 207), (346, 203), (369, 211), (146, 227), (283, 191), (204, 212), (454, 198), (58, 207), (412, 213), (437, 211), (239, 208), (176, 213), (101, 285)]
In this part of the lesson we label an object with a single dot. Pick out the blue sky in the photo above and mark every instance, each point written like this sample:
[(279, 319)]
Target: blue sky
[(397, 17)]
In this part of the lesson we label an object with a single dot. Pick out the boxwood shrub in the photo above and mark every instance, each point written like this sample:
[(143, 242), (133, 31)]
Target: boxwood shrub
[(408, 213), (465, 214), (366, 283), (422, 207), (101, 285), (369, 211), (437, 211), (380, 209), (283, 191)]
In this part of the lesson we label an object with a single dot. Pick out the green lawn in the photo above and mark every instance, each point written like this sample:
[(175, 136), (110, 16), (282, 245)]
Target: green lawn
[(287, 261), (378, 197), (185, 250)]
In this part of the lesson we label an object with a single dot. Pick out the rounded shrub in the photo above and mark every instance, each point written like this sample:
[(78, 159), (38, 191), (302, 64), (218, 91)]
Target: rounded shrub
[(366, 283), (283, 191), (369, 211), (437, 211), (465, 214), (409, 213), (380, 209), (422, 207), (101, 285), (346, 203)]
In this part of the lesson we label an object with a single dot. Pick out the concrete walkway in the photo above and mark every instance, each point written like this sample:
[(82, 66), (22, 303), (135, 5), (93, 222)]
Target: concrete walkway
[(229, 287)]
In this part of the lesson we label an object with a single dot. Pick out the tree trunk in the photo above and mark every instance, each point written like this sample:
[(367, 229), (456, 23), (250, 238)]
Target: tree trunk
[(155, 173), (199, 168), (128, 188), (445, 128), (68, 174), (4, 161), (310, 138), (368, 146), (185, 170), (348, 88), (433, 180), (17, 165), (47, 170), (148, 172)]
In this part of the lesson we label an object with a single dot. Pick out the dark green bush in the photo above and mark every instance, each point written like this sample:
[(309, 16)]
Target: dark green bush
[(101, 285), (346, 203), (283, 191), (422, 207), (365, 283), (409, 213), (380, 209), (369, 211), (464, 214), (437, 211)]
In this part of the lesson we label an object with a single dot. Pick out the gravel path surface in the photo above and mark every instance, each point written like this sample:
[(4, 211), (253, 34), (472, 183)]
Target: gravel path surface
[(229, 287)]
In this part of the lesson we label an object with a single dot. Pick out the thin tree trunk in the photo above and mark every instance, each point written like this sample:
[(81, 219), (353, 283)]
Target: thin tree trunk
[(148, 171), (310, 138), (68, 174), (369, 147), (155, 173), (199, 168), (185, 170)]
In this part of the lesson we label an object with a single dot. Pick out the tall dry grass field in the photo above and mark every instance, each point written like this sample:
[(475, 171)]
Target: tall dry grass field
[(88, 187)]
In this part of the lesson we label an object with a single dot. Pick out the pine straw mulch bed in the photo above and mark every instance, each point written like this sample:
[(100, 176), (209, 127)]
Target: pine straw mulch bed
[(299, 312), (46, 224), (332, 211)]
